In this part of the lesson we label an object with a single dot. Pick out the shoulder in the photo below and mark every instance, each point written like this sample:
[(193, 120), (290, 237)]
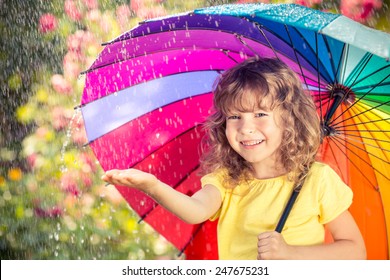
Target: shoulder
[(323, 170), (215, 178), (326, 180)]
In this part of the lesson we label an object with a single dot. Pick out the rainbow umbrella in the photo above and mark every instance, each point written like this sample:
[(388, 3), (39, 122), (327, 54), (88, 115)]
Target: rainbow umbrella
[(149, 91)]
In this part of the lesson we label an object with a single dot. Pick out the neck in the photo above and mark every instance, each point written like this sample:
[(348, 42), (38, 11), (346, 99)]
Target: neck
[(267, 172)]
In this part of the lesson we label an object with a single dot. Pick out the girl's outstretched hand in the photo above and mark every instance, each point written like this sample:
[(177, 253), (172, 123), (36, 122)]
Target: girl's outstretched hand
[(131, 178), (271, 246)]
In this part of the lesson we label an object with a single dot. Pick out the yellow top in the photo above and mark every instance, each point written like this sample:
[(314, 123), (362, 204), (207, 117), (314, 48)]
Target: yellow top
[(256, 206)]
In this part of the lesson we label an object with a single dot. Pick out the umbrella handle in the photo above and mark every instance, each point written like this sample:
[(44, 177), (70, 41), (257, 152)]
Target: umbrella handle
[(286, 211)]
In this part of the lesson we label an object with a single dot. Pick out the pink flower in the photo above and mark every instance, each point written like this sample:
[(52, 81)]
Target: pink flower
[(135, 5), (69, 184), (123, 14), (54, 212), (60, 117), (148, 13), (86, 179), (47, 23), (79, 136), (72, 64), (360, 10), (91, 4), (251, 1), (94, 16), (72, 11), (73, 43), (72, 70), (308, 3), (61, 85), (41, 132), (31, 160), (88, 163)]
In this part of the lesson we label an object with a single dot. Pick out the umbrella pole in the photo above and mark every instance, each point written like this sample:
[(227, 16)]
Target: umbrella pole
[(339, 94), (287, 211)]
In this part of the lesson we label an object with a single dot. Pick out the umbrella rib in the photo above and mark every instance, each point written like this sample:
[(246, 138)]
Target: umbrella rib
[(365, 130), (190, 240), (130, 120), (337, 139), (300, 65), (368, 110), (373, 100), (334, 156), (344, 53), (318, 75), (323, 100), (127, 58), (239, 37), (336, 70), (361, 123), (362, 65), (260, 28), (357, 101), (337, 143), (291, 44), (226, 52), (367, 144), (332, 61), (362, 88), (371, 74), (368, 138)]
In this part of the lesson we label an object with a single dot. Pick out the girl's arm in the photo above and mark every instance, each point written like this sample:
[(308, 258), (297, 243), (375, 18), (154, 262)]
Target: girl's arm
[(195, 209), (348, 243)]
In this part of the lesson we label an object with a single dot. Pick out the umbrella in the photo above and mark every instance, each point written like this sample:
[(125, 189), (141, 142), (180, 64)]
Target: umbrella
[(150, 89)]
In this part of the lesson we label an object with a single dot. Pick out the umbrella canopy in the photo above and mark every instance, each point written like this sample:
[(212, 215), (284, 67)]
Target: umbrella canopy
[(150, 89)]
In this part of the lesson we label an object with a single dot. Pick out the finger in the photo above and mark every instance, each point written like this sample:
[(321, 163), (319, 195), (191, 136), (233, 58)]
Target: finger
[(265, 235), (262, 252), (112, 172)]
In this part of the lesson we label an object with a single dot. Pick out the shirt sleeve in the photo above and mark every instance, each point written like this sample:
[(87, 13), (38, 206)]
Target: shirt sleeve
[(215, 179), (335, 195)]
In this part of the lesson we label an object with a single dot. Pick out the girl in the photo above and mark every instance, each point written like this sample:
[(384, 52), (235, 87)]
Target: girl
[(263, 138)]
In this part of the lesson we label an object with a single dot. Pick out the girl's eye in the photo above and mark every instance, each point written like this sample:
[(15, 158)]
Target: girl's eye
[(260, 115), (233, 117)]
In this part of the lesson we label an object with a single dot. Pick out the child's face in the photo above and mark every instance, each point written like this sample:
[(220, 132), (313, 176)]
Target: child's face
[(256, 136)]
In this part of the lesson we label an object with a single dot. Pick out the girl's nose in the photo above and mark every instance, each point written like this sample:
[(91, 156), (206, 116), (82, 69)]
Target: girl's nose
[(247, 127)]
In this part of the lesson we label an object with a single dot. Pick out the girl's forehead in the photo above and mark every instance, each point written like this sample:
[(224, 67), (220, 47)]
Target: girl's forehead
[(248, 101)]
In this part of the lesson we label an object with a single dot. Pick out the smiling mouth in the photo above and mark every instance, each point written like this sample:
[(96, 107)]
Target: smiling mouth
[(251, 143)]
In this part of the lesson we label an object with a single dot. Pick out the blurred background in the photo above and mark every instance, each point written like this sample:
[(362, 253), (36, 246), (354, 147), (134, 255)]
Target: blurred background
[(53, 204)]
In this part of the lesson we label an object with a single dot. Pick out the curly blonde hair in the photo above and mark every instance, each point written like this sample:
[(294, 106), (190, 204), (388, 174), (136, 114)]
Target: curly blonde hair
[(277, 88)]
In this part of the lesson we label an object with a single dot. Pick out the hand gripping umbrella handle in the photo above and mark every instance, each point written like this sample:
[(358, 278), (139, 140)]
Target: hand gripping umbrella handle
[(287, 210)]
